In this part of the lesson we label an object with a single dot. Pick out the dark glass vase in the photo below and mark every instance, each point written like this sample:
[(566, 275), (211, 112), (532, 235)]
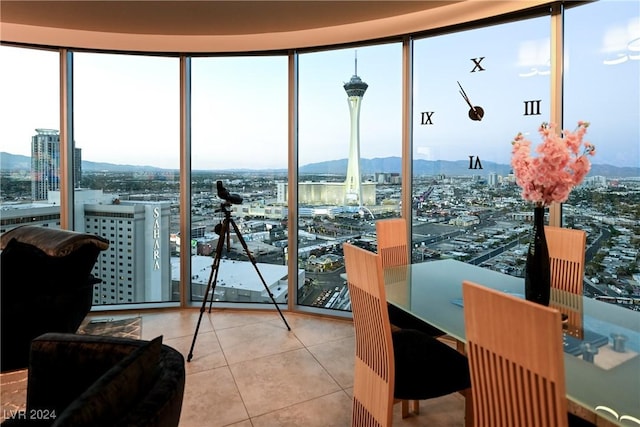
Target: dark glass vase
[(537, 278)]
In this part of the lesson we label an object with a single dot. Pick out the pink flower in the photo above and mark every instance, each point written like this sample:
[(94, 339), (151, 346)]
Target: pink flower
[(557, 169)]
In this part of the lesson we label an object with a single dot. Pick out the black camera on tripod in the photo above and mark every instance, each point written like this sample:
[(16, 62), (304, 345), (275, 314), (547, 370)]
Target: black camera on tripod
[(224, 231), (223, 193)]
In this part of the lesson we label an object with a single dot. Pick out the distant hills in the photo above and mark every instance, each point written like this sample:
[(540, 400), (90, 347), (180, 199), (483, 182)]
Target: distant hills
[(394, 165), (445, 167), (16, 162)]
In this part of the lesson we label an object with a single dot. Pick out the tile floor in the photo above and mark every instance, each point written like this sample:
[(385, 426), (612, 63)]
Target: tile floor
[(249, 370)]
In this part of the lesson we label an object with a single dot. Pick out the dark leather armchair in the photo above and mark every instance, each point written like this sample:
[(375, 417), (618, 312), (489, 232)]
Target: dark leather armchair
[(99, 381), (46, 286)]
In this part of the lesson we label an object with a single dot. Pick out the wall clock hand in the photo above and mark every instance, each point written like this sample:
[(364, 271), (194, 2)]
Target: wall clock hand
[(475, 112)]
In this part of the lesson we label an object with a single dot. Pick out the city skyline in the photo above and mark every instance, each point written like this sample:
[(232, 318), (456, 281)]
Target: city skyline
[(91, 166), (127, 106)]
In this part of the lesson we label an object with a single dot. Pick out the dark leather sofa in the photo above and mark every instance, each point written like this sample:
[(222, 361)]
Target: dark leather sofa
[(98, 381), (46, 285)]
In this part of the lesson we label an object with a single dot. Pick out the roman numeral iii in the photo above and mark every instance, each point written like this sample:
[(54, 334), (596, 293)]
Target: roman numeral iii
[(532, 108)]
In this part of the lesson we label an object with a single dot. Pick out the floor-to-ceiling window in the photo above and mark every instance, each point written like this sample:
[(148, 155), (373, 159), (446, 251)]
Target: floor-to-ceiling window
[(29, 136), (126, 124), (602, 86), (349, 160), (474, 91), (239, 173)]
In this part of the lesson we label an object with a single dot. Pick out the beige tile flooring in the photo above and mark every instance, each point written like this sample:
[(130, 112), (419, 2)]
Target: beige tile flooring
[(249, 370)]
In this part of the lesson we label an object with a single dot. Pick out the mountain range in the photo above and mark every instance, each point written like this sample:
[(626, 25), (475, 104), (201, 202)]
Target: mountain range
[(16, 162)]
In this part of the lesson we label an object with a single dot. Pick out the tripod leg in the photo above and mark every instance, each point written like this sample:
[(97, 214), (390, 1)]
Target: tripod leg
[(211, 286), (224, 231), (253, 261)]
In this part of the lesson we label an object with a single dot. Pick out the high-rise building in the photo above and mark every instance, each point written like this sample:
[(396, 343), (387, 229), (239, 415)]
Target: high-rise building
[(40, 213), (45, 163), (355, 89), (77, 167), (136, 267)]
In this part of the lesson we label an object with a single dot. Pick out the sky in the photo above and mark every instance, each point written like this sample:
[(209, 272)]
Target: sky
[(127, 107)]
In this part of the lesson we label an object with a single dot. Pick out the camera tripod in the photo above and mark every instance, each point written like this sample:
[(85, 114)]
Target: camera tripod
[(224, 237)]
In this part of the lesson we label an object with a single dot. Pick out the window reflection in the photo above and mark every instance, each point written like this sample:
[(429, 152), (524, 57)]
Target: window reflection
[(602, 86), (474, 91)]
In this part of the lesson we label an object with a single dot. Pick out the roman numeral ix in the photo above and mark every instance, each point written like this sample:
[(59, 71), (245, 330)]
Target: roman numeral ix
[(426, 117)]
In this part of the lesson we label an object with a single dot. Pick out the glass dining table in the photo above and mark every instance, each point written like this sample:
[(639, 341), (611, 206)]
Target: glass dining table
[(601, 340)]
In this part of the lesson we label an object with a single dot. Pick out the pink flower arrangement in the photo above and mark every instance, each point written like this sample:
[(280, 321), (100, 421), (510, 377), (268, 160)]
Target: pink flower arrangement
[(558, 168)]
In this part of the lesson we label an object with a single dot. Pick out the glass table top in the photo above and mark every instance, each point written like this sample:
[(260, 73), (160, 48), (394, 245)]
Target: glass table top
[(601, 340)]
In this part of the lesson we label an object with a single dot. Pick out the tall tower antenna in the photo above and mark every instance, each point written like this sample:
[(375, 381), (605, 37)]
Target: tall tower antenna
[(356, 73)]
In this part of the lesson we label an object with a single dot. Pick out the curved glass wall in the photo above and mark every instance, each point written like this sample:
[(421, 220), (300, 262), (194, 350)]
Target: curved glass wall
[(29, 137), (349, 161), (239, 134), (602, 86), (473, 91), (126, 121)]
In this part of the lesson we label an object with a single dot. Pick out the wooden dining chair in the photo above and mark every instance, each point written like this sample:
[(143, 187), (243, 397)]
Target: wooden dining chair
[(393, 249), (393, 244), (516, 358), (566, 254), (405, 364)]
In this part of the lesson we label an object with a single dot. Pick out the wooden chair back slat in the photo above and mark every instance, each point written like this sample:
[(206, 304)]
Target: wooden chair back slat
[(374, 360), (515, 352), (392, 241), (566, 255)]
